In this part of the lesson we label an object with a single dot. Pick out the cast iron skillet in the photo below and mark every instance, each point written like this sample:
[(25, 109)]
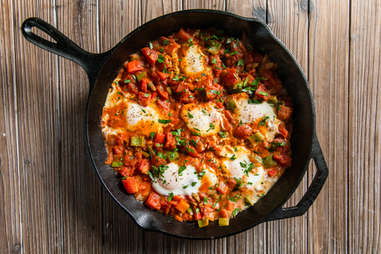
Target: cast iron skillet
[(102, 69)]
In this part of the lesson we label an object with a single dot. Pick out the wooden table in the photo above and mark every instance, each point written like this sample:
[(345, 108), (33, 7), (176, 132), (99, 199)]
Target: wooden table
[(51, 201)]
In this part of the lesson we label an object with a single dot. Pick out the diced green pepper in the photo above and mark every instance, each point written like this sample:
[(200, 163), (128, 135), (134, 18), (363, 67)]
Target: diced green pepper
[(215, 48), (151, 86), (137, 141), (141, 75), (249, 200), (203, 223), (116, 164), (269, 162), (172, 155), (238, 86), (273, 100), (223, 222), (145, 154), (230, 104), (258, 136)]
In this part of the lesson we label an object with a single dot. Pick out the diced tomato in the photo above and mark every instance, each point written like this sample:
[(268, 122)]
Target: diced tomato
[(284, 113), (162, 75), (184, 35), (222, 188), (229, 77), (187, 96), (153, 201), (192, 151), (182, 206), (130, 184), (118, 150), (224, 213), (126, 171), (243, 131), (283, 130), (283, 159), (230, 205), (171, 141), (159, 138), (197, 214), (132, 88), (144, 84), (135, 66), (144, 189), (272, 172), (144, 98), (144, 166), (150, 54), (164, 104), (262, 93), (163, 94), (196, 141)]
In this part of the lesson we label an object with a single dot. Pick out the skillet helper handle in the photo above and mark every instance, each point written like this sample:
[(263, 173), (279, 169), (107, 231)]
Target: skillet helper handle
[(62, 46), (312, 191)]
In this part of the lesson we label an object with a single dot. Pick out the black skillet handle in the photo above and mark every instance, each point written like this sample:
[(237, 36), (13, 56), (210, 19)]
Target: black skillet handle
[(63, 46), (313, 190)]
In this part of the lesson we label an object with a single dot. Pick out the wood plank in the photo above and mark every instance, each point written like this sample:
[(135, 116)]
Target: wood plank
[(10, 228), (200, 4), (253, 240), (81, 190), (364, 208), (38, 137), (289, 21), (328, 73), (121, 234)]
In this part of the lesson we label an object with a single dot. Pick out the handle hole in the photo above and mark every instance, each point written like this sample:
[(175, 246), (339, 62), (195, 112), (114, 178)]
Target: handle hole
[(303, 186), (42, 34)]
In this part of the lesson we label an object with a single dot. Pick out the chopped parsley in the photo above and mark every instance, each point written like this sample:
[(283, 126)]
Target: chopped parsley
[(170, 197), (222, 134), (235, 212), (247, 166), (214, 61), (164, 121), (240, 62), (181, 170), (160, 59), (165, 42), (263, 121), (190, 115), (193, 184)]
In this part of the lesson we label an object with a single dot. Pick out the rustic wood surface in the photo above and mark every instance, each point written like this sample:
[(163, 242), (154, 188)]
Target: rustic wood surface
[(50, 198)]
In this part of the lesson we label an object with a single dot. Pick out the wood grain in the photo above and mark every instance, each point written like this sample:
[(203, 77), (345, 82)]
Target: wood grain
[(36, 91), (328, 74), (10, 201), (47, 186), (81, 191), (365, 128)]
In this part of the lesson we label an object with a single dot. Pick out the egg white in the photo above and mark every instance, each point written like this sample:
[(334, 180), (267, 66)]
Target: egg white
[(194, 61), (172, 182), (202, 118)]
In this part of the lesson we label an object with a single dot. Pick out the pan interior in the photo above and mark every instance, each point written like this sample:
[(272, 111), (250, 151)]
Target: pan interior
[(288, 71)]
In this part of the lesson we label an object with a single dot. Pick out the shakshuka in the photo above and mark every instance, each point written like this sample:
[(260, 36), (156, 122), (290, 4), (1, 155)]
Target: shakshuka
[(197, 124)]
